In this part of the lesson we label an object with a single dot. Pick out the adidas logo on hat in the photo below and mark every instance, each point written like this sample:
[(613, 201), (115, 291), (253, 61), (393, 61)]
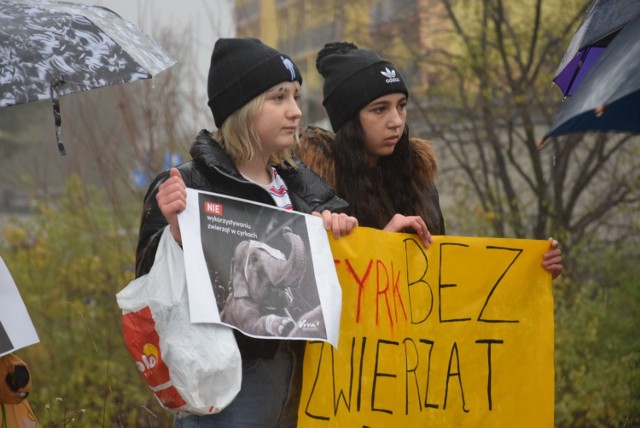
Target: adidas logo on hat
[(390, 75)]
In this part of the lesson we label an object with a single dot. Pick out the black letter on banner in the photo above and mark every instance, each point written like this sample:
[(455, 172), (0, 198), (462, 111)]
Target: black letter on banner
[(336, 401), (359, 400), (411, 283), (441, 286), (426, 391), (519, 251), (315, 382), (454, 349), (412, 370), (489, 342), (378, 374)]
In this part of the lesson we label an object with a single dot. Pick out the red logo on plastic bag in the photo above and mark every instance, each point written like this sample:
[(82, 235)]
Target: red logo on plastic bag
[(143, 343), (170, 397)]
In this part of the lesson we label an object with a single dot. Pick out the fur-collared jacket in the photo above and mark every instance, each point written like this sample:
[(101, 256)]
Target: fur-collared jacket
[(316, 150), (212, 170)]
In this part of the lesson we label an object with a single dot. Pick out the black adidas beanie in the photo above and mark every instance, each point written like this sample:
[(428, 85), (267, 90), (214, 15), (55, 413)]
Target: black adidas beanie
[(240, 70), (353, 78)]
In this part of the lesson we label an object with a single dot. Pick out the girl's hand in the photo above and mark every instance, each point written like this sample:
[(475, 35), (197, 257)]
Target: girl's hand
[(400, 222), (552, 259), (172, 199), (338, 224)]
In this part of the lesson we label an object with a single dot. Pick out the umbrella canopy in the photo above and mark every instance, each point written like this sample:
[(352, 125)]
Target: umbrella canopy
[(50, 48), (601, 23), (609, 97)]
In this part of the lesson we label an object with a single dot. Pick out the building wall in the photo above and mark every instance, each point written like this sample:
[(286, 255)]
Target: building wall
[(300, 28)]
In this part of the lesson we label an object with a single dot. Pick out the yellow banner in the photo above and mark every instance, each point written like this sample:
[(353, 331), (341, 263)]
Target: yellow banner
[(459, 335)]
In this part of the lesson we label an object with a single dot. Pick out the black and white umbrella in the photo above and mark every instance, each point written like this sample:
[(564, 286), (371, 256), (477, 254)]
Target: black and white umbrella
[(51, 48)]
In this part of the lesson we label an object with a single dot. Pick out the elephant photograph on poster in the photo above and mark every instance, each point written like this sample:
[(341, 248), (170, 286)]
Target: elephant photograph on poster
[(263, 281), (261, 270)]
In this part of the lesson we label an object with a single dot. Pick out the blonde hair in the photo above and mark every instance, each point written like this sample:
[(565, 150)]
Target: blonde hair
[(237, 134)]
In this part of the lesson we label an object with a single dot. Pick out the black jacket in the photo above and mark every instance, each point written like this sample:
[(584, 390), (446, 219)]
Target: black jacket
[(212, 170)]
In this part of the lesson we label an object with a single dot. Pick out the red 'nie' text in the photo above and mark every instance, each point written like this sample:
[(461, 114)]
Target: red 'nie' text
[(213, 208)]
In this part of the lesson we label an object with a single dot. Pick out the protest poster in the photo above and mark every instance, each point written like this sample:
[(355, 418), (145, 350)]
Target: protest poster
[(459, 335), (263, 270), (16, 327)]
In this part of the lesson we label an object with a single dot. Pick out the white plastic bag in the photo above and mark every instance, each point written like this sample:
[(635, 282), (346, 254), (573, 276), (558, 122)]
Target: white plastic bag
[(191, 368)]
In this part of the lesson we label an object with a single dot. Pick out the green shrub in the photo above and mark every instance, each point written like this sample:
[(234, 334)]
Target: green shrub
[(69, 260)]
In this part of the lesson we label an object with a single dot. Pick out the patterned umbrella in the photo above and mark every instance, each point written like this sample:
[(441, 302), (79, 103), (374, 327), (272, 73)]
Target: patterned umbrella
[(50, 48)]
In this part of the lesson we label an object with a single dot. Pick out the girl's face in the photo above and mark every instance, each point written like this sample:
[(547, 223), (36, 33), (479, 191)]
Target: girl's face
[(383, 121), (276, 125)]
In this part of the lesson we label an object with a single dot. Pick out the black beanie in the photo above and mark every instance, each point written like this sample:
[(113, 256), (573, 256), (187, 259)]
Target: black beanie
[(242, 69), (353, 78)]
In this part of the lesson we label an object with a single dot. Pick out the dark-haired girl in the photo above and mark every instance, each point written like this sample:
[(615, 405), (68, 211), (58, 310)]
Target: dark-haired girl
[(387, 177)]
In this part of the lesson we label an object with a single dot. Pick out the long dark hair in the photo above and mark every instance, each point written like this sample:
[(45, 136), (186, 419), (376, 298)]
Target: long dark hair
[(375, 194)]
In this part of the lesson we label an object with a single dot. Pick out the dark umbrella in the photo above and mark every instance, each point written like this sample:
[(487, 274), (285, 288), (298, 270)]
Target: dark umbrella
[(609, 97), (601, 23), (50, 48)]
